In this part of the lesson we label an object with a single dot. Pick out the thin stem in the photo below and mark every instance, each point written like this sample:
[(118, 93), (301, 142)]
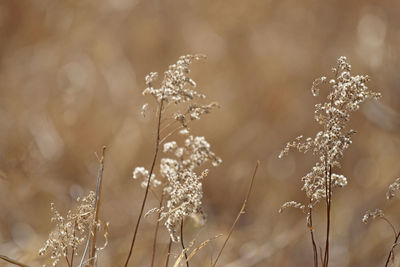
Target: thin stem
[(156, 232), (391, 225), (239, 214), (148, 182), (72, 257), (168, 125), (310, 227), (73, 249), (9, 260), (183, 245), (85, 251), (169, 252), (320, 255), (171, 133), (391, 250), (92, 253), (328, 196), (66, 258)]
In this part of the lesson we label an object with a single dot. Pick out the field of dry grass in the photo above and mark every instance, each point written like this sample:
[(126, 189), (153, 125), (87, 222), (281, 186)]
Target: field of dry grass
[(71, 80)]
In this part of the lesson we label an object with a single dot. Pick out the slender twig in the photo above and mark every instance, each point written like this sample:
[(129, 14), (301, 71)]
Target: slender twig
[(171, 133), (148, 181), (183, 244), (168, 253), (328, 197), (310, 227), (156, 231), (98, 187), (9, 260), (391, 250), (202, 245), (239, 214), (85, 251), (391, 225), (168, 125), (92, 253)]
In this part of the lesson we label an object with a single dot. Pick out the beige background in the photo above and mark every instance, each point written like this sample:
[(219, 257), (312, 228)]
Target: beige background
[(71, 75)]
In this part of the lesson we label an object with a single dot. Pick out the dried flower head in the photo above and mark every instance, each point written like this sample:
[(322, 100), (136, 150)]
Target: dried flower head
[(292, 204), (185, 192), (143, 174), (371, 215), (346, 95), (179, 170), (394, 189), (184, 187), (70, 232), (175, 87)]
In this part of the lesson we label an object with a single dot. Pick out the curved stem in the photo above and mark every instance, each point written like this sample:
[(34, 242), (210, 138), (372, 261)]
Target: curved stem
[(183, 245), (148, 182), (391, 225)]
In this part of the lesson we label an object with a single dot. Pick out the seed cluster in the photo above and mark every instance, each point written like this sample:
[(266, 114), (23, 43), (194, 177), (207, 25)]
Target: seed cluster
[(346, 95)]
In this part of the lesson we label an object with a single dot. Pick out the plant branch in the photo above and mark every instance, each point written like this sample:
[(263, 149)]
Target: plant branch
[(239, 214), (148, 181)]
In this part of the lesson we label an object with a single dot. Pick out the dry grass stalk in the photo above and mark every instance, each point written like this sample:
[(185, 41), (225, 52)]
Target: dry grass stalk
[(148, 181), (239, 214), (194, 251), (92, 254)]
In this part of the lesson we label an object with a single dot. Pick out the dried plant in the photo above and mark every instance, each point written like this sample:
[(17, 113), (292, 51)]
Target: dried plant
[(71, 231), (346, 95), (77, 228), (182, 170), (394, 189)]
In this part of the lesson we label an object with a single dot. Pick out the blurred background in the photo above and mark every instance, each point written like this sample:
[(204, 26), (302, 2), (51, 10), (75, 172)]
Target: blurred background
[(71, 76)]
